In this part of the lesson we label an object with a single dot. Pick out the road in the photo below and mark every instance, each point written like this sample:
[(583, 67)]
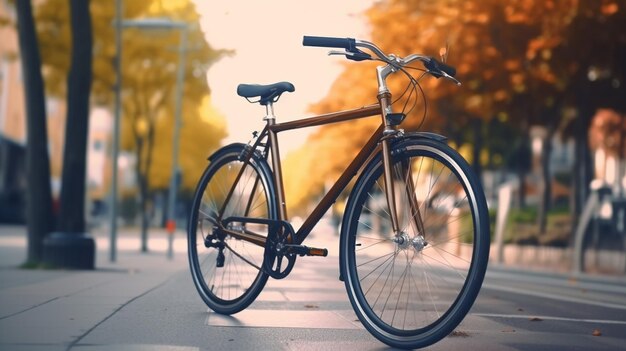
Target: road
[(309, 310)]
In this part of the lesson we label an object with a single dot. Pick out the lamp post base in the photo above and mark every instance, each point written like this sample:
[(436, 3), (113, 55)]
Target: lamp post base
[(69, 250)]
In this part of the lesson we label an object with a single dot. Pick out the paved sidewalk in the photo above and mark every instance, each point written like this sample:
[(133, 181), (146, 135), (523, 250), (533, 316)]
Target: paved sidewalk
[(147, 302), (55, 309)]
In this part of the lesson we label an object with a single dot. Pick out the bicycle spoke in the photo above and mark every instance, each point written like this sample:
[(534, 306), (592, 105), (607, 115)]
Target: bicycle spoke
[(382, 208), (370, 238), (376, 259), (375, 269), (376, 213), (241, 257), (393, 261), (369, 246), (448, 262)]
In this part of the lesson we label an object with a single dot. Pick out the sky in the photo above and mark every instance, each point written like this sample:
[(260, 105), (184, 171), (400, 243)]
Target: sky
[(267, 39)]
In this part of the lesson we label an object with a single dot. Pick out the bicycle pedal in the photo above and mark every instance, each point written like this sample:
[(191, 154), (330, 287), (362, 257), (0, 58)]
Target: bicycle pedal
[(303, 250)]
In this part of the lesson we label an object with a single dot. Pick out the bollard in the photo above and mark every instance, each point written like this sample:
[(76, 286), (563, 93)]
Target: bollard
[(171, 227)]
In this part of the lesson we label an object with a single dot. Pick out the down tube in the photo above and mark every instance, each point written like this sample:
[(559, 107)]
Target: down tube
[(337, 188)]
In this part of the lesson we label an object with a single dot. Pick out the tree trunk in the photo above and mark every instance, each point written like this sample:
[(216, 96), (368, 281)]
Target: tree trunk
[(522, 165), (582, 172), (40, 218), (72, 216), (142, 180), (477, 128), (145, 219)]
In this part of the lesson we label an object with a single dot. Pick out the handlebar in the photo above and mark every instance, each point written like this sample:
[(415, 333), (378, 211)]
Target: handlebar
[(435, 68), (329, 42)]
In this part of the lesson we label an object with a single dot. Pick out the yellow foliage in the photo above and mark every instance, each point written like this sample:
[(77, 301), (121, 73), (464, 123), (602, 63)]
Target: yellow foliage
[(150, 59)]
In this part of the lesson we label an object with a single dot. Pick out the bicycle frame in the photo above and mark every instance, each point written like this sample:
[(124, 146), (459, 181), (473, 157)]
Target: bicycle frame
[(375, 144), (361, 158)]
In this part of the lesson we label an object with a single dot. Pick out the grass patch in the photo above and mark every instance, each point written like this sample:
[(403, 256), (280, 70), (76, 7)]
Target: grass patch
[(522, 227)]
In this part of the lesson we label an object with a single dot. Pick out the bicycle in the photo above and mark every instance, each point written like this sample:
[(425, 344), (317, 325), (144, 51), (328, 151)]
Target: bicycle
[(414, 240)]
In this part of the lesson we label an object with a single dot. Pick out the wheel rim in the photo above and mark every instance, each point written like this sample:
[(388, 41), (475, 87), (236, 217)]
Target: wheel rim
[(240, 274), (407, 283)]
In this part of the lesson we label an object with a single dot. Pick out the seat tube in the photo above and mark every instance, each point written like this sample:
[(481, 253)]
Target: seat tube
[(278, 175), (385, 105)]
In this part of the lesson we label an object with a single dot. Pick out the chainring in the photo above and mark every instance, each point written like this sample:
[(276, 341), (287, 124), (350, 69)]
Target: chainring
[(278, 262)]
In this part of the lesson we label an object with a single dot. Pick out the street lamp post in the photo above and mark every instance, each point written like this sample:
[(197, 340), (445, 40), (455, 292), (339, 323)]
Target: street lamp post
[(116, 130), (153, 24), (180, 84)]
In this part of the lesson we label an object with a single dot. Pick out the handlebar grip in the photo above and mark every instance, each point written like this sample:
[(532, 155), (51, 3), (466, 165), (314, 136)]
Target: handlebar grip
[(328, 42), (436, 66)]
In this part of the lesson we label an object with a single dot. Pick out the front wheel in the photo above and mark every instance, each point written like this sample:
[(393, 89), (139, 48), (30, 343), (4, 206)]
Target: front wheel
[(412, 287)]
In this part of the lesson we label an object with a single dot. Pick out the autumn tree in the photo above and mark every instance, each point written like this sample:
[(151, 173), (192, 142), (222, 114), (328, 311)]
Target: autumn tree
[(485, 67), (522, 63), (149, 63), (581, 55)]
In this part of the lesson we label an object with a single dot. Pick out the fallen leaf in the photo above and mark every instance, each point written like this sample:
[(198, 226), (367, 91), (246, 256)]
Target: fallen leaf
[(596, 332), (535, 319), (311, 306), (459, 333)]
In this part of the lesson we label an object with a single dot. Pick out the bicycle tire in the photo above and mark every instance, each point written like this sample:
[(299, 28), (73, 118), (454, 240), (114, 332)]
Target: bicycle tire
[(369, 254), (233, 287)]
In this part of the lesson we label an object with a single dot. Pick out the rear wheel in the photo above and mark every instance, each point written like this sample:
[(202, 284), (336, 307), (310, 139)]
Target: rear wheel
[(413, 287), (227, 271)]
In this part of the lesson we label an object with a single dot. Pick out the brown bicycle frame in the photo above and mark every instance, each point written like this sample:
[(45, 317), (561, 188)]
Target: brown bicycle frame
[(331, 196), (370, 149)]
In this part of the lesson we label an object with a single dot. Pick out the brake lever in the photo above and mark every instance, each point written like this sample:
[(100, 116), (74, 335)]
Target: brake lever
[(446, 75), (355, 56), (441, 74), (337, 52)]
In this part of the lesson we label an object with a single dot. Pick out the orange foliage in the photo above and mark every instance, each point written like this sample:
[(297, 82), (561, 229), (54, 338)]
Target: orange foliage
[(514, 58)]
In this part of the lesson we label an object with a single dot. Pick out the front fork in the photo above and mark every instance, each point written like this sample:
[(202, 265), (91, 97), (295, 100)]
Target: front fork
[(404, 176)]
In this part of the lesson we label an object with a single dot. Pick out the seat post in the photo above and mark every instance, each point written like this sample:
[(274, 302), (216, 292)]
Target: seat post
[(269, 112)]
